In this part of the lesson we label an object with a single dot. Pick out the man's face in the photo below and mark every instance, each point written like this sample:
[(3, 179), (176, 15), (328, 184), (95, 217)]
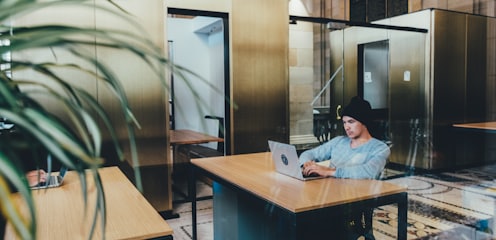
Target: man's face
[(352, 127)]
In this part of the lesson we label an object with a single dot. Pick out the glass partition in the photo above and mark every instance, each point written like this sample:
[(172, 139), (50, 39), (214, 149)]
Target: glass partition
[(332, 60), (311, 76)]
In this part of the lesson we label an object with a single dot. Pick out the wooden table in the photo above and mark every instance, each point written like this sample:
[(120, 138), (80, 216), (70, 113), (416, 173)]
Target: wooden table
[(471, 143), (252, 200), (482, 126), (186, 137), (60, 212)]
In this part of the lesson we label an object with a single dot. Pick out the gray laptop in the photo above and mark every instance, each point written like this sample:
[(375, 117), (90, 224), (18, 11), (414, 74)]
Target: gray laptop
[(286, 160), (53, 180)]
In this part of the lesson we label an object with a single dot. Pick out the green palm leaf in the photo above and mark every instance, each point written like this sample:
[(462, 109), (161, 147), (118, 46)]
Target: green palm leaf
[(77, 142)]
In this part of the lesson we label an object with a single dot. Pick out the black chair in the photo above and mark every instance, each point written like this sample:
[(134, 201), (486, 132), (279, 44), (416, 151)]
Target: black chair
[(187, 152), (199, 151)]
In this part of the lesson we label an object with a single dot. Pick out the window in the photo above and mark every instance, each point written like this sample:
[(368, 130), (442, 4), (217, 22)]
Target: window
[(372, 10)]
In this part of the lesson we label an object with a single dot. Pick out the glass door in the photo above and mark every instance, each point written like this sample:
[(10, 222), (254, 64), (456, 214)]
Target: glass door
[(331, 61)]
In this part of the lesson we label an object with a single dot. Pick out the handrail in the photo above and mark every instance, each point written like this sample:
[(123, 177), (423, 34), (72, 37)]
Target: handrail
[(327, 84)]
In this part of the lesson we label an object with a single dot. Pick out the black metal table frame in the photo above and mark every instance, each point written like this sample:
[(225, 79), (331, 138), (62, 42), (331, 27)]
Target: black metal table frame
[(186, 197)]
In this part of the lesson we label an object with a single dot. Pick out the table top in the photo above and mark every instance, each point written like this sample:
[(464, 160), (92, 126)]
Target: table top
[(479, 125), (60, 211), (256, 173), (186, 136)]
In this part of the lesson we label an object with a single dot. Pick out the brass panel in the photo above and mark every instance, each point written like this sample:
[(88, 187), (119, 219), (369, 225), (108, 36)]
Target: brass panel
[(52, 15), (260, 85), (449, 82), (204, 5), (448, 56), (148, 102), (472, 149), (155, 174), (410, 124), (476, 68), (142, 86), (407, 106)]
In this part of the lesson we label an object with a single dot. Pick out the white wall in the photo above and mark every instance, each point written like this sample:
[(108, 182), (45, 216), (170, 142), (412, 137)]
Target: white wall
[(204, 55)]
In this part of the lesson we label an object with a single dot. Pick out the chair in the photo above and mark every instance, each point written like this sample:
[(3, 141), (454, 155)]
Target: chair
[(384, 173), (359, 225), (381, 130), (186, 153), (363, 221), (199, 151)]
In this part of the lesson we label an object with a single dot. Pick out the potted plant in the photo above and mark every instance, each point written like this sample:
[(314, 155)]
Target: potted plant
[(75, 141)]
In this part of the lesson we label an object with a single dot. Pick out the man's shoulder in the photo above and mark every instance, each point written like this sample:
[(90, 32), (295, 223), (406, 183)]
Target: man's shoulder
[(379, 146), (378, 142), (341, 138)]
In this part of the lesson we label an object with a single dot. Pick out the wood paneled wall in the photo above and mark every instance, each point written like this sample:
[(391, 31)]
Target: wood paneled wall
[(259, 74)]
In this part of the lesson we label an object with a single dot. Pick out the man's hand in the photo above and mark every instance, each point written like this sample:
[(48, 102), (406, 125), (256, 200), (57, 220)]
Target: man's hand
[(36, 176), (312, 168)]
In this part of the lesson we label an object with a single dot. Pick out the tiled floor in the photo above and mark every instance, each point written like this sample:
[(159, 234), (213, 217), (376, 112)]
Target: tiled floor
[(448, 205), (182, 225)]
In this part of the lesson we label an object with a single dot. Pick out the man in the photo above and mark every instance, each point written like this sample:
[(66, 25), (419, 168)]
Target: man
[(357, 155)]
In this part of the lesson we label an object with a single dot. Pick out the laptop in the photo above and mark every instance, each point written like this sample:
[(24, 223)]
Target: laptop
[(286, 161), (52, 180)]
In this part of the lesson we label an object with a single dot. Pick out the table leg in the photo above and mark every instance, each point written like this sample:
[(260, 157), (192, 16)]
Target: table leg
[(184, 168), (192, 194), (186, 196), (402, 216)]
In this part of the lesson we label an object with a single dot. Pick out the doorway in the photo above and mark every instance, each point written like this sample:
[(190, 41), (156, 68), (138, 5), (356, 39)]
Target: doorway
[(373, 82), (199, 41)]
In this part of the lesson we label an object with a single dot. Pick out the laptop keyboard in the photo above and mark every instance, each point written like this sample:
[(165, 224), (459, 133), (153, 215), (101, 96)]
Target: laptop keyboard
[(52, 180), (311, 175)]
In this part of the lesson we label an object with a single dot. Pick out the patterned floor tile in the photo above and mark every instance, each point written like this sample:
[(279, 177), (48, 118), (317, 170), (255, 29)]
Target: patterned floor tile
[(448, 205)]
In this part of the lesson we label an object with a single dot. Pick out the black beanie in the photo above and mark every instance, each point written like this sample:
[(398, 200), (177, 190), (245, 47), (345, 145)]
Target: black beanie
[(359, 109)]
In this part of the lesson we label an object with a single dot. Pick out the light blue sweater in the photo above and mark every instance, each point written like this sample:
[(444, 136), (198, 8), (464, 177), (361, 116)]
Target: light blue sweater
[(363, 162)]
